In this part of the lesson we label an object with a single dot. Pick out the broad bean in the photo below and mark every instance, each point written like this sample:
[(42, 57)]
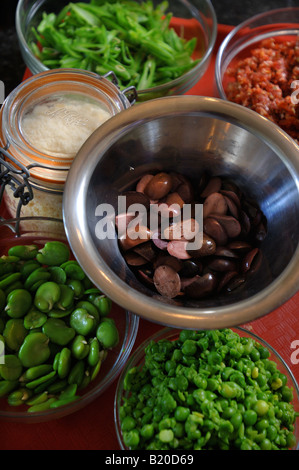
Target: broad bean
[(49, 324)]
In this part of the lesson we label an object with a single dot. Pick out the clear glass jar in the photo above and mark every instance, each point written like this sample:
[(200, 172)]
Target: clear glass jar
[(43, 124)]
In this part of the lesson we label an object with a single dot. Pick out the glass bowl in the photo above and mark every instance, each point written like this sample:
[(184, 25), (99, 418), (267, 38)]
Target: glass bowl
[(192, 19), (39, 230), (169, 334), (281, 24)]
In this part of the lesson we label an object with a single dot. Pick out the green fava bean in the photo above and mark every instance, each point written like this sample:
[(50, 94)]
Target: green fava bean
[(77, 287), (12, 368), (7, 386), (34, 319), (107, 334), (82, 322), (58, 403), (37, 371), (54, 253), (73, 270), (102, 303), (66, 299), (14, 286), (40, 380), (38, 275), (2, 300), (64, 363), (28, 267), (14, 333), (58, 332), (9, 279), (42, 406), (58, 274), (80, 347), (24, 252), (91, 308), (46, 296), (18, 303), (37, 399), (18, 397), (34, 350), (76, 374), (94, 352)]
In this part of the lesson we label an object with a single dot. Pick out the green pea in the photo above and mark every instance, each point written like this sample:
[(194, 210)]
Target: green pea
[(80, 347), (14, 333), (94, 352), (64, 363), (24, 252), (131, 438), (18, 303), (34, 350), (261, 407), (147, 431), (181, 413), (107, 334), (37, 275), (54, 253), (46, 296), (34, 319), (12, 368), (58, 331), (236, 420), (128, 423), (82, 322), (250, 417)]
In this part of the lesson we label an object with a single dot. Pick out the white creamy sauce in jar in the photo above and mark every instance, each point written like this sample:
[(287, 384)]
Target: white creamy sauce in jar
[(58, 126)]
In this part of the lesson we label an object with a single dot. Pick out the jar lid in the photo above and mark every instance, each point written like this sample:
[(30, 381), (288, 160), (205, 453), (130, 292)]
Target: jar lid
[(48, 117)]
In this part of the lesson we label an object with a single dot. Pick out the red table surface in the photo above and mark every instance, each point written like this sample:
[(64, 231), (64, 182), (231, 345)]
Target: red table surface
[(92, 428)]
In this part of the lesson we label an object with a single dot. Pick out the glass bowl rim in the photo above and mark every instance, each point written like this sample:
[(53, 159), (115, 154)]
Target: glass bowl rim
[(156, 89), (232, 33)]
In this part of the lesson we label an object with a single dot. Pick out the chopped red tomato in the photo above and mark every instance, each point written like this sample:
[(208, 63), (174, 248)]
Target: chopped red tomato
[(262, 82)]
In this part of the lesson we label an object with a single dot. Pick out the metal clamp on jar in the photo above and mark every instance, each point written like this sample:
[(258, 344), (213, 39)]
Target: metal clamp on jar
[(43, 124)]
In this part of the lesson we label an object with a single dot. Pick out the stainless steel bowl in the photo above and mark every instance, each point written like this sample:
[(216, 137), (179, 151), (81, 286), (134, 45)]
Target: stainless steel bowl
[(188, 134)]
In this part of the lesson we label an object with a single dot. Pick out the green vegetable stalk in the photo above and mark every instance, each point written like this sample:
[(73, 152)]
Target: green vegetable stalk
[(132, 39)]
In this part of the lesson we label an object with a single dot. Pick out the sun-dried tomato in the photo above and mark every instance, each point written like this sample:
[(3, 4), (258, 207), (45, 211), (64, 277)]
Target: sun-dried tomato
[(262, 82)]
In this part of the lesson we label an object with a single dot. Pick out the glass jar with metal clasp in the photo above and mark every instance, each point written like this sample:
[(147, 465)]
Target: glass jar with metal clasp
[(43, 124)]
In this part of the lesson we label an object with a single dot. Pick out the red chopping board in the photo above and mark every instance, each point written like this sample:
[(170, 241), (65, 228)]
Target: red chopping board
[(92, 428)]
